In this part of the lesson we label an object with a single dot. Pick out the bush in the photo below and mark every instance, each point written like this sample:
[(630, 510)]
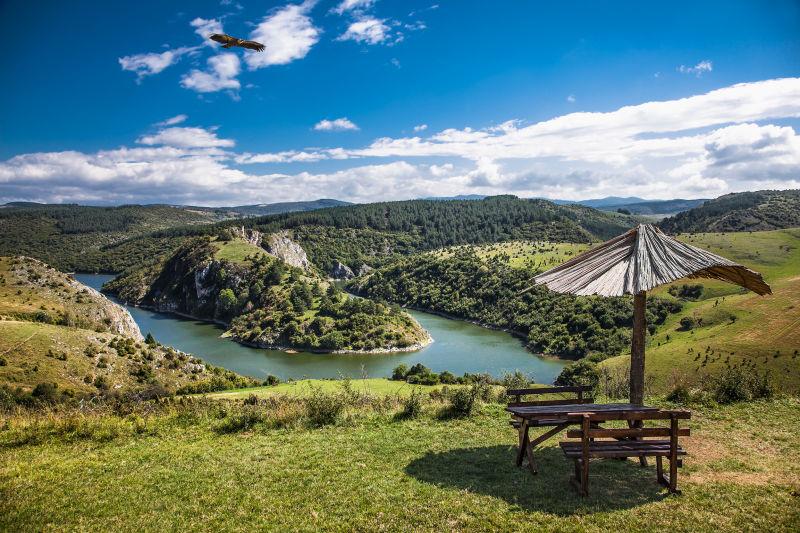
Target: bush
[(448, 378), (687, 323), (272, 380), (46, 392), (737, 385), (516, 380), (462, 401), (680, 395), (399, 373), (323, 408), (242, 420), (581, 372), (413, 404)]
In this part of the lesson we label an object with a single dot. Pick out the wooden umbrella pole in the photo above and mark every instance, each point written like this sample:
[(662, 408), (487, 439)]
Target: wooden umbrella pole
[(637, 348)]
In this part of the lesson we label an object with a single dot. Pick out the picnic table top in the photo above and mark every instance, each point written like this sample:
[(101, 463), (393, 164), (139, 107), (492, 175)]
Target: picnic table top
[(534, 412)]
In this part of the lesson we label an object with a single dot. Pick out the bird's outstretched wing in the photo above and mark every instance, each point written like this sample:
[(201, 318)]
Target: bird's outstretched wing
[(252, 45)]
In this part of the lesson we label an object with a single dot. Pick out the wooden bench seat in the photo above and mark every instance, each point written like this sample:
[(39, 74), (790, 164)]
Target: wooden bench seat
[(633, 441), (623, 448)]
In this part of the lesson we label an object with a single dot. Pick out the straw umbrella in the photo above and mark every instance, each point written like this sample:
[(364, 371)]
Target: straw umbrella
[(634, 263)]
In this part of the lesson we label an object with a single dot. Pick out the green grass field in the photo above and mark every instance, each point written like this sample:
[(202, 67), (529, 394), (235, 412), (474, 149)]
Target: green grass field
[(375, 472), (539, 255), (302, 387), (236, 250), (738, 328)]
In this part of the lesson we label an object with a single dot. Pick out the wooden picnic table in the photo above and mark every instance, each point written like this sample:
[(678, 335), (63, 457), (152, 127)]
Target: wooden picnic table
[(558, 416)]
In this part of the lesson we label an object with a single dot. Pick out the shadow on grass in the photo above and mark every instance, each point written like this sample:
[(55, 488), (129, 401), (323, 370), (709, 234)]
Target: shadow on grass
[(490, 470)]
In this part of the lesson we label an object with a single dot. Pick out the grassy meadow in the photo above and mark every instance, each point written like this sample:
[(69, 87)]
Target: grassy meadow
[(736, 328), (193, 465)]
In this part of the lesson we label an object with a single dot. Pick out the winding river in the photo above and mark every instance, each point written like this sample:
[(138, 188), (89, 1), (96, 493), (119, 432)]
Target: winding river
[(458, 347)]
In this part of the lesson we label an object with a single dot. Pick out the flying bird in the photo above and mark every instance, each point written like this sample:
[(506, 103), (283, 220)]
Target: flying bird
[(227, 41)]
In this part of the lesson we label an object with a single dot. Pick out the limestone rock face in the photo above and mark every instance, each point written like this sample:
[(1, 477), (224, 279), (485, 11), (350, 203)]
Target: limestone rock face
[(252, 236), (81, 304), (284, 248), (364, 270), (341, 271)]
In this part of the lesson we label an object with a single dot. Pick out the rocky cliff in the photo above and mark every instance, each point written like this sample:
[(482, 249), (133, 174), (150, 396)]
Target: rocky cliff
[(284, 248), (47, 295)]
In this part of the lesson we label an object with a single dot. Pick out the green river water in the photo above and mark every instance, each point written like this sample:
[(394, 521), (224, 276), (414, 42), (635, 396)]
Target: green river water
[(458, 346)]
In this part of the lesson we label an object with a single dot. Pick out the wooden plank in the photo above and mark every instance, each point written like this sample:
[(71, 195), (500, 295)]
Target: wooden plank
[(548, 390), (627, 432), (630, 414), (578, 409), (538, 403)]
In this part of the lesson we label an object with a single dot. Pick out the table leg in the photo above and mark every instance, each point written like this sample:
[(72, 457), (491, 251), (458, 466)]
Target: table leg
[(523, 442), (638, 424)]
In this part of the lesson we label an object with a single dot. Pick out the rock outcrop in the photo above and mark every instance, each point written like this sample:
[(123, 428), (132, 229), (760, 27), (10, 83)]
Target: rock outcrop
[(363, 270), (252, 236), (73, 302), (341, 271), (284, 248)]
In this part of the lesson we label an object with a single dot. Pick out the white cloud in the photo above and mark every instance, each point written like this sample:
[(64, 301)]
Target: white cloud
[(221, 75), (186, 138), (339, 124), (368, 30), (698, 69), (700, 146), (205, 28), (288, 156), (177, 119), (571, 98), (288, 34), (352, 5), (148, 64), (420, 127)]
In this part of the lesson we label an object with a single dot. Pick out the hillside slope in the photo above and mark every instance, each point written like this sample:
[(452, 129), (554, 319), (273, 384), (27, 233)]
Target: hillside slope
[(733, 327), (72, 237), (744, 211), (264, 301), (54, 330)]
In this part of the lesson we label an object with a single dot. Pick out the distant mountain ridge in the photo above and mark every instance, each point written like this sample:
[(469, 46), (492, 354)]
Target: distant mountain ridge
[(744, 211)]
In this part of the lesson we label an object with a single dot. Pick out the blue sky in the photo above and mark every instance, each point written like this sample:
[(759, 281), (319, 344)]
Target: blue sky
[(380, 100)]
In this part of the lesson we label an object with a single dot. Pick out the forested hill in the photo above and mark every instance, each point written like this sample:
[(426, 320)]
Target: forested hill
[(115, 239), (446, 223), (71, 237), (745, 211)]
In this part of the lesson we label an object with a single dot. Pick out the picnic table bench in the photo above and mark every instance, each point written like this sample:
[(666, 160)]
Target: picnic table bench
[(633, 441)]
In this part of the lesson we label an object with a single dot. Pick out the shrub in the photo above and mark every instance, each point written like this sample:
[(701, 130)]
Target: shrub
[(46, 392), (582, 372), (448, 378), (516, 380), (680, 395), (323, 408), (241, 420), (150, 340), (688, 323), (272, 380), (737, 385), (413, 404), (462, 401), (399, 373)]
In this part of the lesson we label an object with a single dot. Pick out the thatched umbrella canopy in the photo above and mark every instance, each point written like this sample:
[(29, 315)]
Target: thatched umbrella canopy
[(636, 262)]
